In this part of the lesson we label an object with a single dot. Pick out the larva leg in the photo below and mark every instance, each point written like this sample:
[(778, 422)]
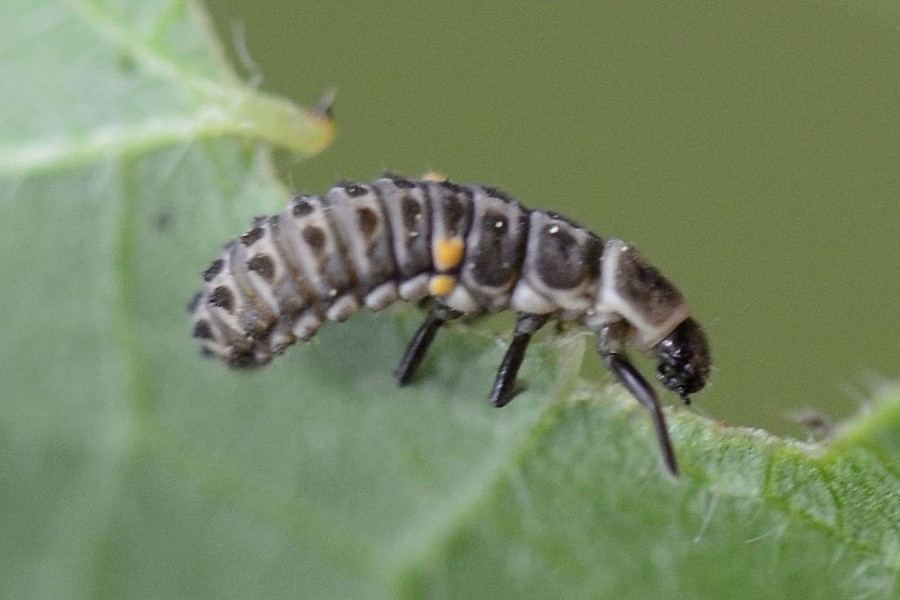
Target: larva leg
[(418, 346), (504, 385), (610, 342)]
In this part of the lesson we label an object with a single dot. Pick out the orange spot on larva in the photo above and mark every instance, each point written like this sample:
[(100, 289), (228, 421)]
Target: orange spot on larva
[(434, 176), (448, 253), (441, 285)]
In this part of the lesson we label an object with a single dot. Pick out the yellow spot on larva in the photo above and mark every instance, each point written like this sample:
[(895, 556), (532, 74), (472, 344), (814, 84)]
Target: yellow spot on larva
[(448, 253), (434, 176), (441, 285)]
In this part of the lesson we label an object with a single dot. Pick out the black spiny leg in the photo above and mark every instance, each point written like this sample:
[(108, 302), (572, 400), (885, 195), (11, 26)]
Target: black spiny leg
[(609, 343), (418, 346), (504, 384)]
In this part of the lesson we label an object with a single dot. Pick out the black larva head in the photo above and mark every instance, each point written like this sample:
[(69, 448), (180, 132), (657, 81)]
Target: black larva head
[(683, 359)]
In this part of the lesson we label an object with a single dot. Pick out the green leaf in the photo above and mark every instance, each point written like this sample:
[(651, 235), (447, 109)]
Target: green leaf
[(132, 467)]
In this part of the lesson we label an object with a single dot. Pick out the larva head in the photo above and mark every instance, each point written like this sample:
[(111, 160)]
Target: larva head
[(684, 361)]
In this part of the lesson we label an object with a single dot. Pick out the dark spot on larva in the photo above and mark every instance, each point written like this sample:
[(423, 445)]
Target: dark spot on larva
[(195, 302), (252, 236), (497, 193), (593, 253), (315, 237), (368, 220), (650, 279), (259, 220), (222, 297), (301, 207), (354, 190), (642, 277), (213, 269), (494, 225), (496, 259), (274, 223), (450, 186), (454, 214), (401, 182), (559, 260), (638, 281), (202, 331), (411, 210), (206, 352), (263, 265)]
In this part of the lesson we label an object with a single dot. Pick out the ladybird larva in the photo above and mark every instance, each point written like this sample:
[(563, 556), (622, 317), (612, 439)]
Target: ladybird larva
[(471, 249)]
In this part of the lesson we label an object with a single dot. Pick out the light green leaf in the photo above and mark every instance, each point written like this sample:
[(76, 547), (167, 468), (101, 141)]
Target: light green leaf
[(132, 467)]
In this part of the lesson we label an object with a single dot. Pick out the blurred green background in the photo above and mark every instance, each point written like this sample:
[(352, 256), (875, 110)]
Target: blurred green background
[(749, 149)]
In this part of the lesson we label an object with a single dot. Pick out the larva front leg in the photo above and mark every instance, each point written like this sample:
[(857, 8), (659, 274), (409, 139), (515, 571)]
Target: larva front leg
[(610, 344)]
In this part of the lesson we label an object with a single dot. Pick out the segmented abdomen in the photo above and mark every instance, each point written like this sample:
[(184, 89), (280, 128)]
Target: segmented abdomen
[(324, 257)]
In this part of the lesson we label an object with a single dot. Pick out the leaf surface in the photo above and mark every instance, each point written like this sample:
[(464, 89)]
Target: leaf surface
[(132, 467)]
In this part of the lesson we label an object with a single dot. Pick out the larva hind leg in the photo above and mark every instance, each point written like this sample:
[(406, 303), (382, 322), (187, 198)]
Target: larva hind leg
[(437, 316), (504, 385)]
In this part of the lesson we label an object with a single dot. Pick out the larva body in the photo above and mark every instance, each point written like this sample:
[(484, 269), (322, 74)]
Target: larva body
[(473, 249)]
